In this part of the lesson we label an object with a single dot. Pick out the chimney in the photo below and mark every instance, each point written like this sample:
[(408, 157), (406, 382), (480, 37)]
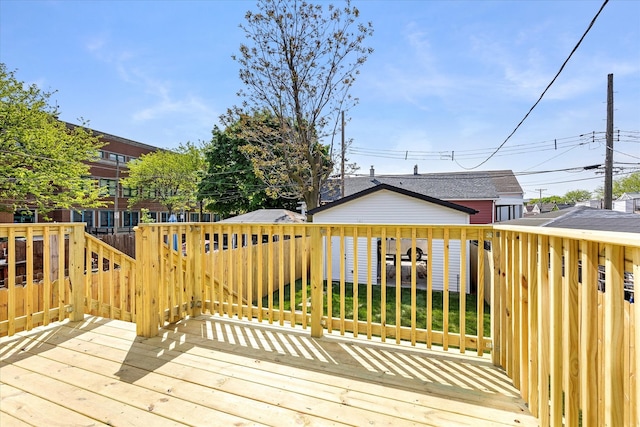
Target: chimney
[(372, 172), (415, 169)]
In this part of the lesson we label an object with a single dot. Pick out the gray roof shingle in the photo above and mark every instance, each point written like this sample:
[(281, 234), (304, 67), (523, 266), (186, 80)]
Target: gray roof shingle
[(583, 218), (479, 185)]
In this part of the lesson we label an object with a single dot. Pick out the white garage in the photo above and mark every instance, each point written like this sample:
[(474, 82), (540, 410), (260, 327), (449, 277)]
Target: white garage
[(386, 204)]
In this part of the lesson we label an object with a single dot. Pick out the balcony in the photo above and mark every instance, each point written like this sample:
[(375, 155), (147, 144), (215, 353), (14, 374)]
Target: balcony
[(486, 326)]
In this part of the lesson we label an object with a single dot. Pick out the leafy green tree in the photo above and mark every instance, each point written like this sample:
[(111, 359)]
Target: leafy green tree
[(168, 177), (146, 217), (299, 67), (230, 185), (43, 161), (626, 184), (576, 196), (547, 199)]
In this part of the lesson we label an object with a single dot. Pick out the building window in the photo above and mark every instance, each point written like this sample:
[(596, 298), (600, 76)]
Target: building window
[(110, 184), (206, 217), (83, 216), (117, 158), (113, 157), (148, 194), (194, 217), (129, 192), (164, 217), (24, 216), (105, 219), (130, 219), (507, 212)]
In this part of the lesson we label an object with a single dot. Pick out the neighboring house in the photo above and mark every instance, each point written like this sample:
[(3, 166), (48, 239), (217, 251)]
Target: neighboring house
[(541, 208), (496, 195), (547, 207), (530, 210), (628, 202), (586, 218), (386, 204), (596, 204)]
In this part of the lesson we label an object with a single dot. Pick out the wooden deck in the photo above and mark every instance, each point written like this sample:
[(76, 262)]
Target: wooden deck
[(213, 371)]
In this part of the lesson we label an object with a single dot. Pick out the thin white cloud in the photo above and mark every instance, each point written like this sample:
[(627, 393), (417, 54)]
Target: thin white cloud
[(162, 101)]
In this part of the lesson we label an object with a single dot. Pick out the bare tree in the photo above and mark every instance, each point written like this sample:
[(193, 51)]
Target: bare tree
[(298, 69)]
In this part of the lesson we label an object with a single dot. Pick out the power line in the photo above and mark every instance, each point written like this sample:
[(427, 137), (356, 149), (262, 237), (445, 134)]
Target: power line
[(586, 139), (546, 89)]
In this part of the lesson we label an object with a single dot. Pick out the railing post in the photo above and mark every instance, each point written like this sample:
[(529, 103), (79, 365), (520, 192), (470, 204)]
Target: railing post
[(496, 310), (613, 335), (316, 282), (194, 259), (147, 252), (636, 307), (76, 272)]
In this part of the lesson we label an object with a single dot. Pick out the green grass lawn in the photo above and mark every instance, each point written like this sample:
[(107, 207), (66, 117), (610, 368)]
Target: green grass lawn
[(405, 306)]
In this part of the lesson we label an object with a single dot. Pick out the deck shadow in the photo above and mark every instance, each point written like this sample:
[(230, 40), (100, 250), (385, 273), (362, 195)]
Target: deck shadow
[(433, 372)]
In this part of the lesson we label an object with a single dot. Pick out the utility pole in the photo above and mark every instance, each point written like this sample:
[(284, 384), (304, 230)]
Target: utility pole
[(608, 160), (116, 212), (342, 165), (540, 199)]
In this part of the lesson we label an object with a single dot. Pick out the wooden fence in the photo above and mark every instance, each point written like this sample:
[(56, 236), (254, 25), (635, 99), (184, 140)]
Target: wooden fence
[(123, 242)]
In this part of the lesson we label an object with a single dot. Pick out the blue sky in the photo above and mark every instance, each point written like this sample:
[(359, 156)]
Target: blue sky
[(445, 76)]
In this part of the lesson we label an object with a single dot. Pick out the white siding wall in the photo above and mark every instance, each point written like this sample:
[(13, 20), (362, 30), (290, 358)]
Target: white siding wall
[(387, 207), (623, 206)]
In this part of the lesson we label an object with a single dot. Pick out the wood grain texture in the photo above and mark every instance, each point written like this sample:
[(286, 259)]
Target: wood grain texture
[(223, 371)]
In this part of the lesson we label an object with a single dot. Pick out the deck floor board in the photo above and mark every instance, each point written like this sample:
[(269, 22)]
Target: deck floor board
[(220, 371)]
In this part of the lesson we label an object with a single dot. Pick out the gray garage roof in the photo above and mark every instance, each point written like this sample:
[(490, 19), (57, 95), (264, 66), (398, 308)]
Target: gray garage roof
[(480, 185), (268, 216), (583, 218)]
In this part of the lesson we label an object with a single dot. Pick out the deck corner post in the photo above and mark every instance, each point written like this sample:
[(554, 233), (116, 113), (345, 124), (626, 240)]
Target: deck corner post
[(146, 286), (316, 282), (76, 272)]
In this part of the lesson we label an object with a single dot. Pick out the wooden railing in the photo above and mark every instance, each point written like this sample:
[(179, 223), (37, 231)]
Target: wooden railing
[(566, 330), (110, 289), (41, 292), (262, 272), (563, 325), (51, 272), (240, 278)]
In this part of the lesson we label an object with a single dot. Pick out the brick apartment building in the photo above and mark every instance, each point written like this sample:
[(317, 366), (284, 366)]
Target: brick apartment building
[(107, 171)]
